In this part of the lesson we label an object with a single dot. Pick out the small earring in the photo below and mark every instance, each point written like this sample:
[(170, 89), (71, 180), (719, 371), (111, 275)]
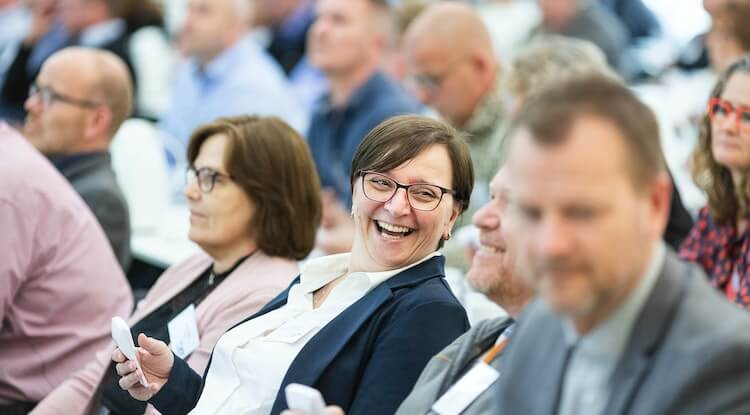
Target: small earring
[(448, 236)]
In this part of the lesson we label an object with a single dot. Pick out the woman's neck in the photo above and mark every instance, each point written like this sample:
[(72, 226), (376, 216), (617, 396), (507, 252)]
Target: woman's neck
[(225, 258)]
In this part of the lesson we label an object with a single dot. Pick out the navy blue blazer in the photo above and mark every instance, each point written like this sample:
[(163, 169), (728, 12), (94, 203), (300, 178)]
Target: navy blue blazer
[(367, 359)]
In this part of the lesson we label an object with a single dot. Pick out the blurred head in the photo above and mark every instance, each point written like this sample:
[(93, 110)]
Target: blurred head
[(721, 159), (252, 183), (557, 14), (492, 271), (450, 62), (79, 100), (729, 37), (551, 60), (271, 13), (400, 19), (395, 226), (347, 35), (212, 26), (78, 15), (588, 175)]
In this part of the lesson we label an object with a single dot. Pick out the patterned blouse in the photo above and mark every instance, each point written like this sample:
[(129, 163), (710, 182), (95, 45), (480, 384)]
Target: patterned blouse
[(723, 255)]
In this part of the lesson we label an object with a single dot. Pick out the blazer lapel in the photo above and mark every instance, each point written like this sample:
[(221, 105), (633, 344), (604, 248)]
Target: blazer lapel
[(323, 348), (648, 332)]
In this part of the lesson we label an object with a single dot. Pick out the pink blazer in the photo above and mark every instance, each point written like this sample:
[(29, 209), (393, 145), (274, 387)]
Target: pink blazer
[(255, 282)]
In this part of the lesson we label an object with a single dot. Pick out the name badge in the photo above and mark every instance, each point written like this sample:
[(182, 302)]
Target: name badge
[(183, 332), (466, 390)]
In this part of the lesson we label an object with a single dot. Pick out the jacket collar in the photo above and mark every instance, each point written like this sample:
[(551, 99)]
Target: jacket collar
[(74, 165), (649, 332)]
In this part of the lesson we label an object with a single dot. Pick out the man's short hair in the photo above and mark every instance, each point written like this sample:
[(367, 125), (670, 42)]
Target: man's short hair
[(549, 116)]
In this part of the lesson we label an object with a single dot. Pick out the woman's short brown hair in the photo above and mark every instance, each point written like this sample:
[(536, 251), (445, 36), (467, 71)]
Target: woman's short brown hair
[(273, 165), (399, 139), (726, 199)]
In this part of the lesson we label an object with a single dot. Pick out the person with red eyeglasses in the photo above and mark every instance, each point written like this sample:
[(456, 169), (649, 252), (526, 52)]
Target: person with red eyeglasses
[(720, 240)]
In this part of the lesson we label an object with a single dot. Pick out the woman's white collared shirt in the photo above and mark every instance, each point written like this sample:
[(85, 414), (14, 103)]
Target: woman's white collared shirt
[(249, 362)]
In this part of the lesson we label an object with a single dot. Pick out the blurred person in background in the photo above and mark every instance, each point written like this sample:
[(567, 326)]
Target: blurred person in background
[(60, 283), (255, 205), (552, 60), (226, 73), (346, 43), (588, 20), (360, 326), (720, 240), (57, 24), (729, 37), (401, 16), (79, 100)]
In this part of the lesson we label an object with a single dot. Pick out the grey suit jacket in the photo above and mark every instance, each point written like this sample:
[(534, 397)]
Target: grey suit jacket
[(94, 179), (689, 353), (446, 367)]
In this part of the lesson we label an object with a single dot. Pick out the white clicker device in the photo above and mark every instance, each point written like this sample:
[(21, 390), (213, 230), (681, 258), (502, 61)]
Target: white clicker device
[(305, 399), (123, 339)]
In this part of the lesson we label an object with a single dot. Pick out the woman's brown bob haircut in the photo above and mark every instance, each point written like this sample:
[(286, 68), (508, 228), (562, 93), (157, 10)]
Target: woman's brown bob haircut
[(273, 165), (727, 201), (400, 139)]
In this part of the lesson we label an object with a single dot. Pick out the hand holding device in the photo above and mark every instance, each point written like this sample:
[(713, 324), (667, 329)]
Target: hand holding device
[(305, 399), (123, 339)]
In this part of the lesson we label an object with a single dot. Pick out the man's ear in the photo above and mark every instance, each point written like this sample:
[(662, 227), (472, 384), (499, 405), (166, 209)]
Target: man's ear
[(98, 123)]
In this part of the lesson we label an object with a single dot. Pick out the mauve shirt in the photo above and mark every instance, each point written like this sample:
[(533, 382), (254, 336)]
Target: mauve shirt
[(60, 283)]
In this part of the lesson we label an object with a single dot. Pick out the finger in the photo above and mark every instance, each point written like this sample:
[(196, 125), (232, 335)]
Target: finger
[(118, 356), (334, 410), (125, 368), (151, 345), (130, 382)]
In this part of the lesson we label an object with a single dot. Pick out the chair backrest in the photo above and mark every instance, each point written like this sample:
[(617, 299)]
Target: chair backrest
[(139, 162)]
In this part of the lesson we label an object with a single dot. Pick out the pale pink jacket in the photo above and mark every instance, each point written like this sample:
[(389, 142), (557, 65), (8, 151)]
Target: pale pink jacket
[(256, 281)]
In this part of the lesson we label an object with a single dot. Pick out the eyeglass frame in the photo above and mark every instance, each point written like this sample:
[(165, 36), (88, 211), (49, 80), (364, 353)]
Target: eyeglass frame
[(733, 110), (191, 171), (406, 187), (40, 91), (429, 82)]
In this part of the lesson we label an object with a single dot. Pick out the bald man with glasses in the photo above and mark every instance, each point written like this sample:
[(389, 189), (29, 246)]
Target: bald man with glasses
[(76, 105)]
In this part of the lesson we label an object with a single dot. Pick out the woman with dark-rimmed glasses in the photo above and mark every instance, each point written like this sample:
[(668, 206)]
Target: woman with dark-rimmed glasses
[(360, 326), (254, 201), (720, 240)]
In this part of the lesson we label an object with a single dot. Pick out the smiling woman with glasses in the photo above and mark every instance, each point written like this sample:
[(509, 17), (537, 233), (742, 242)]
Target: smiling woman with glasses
[(360, 326), (720, 239)]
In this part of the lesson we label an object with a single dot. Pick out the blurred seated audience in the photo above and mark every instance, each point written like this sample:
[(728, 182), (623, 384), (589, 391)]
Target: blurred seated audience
[(79, 100), (226, 74), (255, 204), (720, 240), (552, 60), (59, 282), (729, 37), (359, 327), (588, 20), (639, 21), (57, 24), (288, 22), (346, 43)]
